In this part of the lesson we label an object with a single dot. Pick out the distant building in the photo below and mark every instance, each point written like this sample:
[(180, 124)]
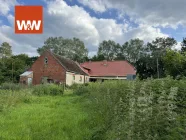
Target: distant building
[(109, 70), (51, 68)]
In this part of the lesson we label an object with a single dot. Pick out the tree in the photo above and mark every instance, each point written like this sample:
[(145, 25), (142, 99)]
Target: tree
[(159, 46), (12, 67), (151, 64), (5, 50), (175, 64), (98, 58), (132, 50), (109, 49), (147, 67), (70, 48), (183, 44)]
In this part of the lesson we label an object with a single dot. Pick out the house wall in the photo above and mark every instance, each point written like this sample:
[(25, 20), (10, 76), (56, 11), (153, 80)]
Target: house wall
[(24, 79), (70, 78), (53, 69)]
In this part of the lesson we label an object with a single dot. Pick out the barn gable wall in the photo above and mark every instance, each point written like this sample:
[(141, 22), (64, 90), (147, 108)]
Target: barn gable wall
[(52, 70)]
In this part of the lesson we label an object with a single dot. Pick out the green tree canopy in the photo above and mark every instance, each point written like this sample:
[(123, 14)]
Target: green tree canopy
[(109, 49), (175, 63), (70, 48), (132, 50), (183, 44), (5, 50), (159, 46)]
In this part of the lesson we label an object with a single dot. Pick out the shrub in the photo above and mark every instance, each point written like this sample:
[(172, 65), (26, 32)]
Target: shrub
[(73, 86), (10, 98), (81, 89), (48, 89), (149, 109), (11, 86)]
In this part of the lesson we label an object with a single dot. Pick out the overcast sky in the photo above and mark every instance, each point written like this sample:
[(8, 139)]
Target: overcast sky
[(93, 21)]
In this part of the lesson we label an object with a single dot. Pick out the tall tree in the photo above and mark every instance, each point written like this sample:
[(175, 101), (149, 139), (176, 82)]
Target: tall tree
[(183, 44), (175, 64), (159, 46), (151, 65), (132, 50), (5, 50), (97, 58), (109, 49), (70, 48)]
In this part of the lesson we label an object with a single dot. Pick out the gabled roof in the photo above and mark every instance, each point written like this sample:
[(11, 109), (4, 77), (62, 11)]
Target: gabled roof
[(69, 65), (109, 68), (26, 73)]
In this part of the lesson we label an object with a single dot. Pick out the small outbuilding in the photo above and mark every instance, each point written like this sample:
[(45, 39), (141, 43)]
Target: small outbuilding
[(26, 78)]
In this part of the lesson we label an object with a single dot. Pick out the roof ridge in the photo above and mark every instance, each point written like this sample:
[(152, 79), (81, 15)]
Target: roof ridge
[(81, 68), (105, 60), (66, 61)]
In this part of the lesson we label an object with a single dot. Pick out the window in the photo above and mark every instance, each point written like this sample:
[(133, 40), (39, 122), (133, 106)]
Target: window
[(46, 60), (80, 78), (74, 77)]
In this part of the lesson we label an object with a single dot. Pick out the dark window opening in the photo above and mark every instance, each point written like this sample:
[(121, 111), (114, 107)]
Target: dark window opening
[(46, 60)]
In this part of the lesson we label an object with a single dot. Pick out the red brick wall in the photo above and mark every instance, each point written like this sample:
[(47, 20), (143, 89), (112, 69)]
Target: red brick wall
[(52, 70)]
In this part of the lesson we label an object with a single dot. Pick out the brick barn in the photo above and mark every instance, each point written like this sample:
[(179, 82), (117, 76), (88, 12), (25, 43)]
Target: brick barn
[(51, 68)]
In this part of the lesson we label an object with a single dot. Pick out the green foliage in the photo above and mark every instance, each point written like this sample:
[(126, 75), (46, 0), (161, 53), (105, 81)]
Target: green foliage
[(183, 44), (48, 89), (73, 49), (138, 110), (5, 50), (175, 63), (81, 89), (25, 116), (12, 67), (132, 50), (109, 49), (11, 86), (10, 98)]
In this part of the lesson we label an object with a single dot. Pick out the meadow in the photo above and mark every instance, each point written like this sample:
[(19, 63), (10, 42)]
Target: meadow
[(113, 110)]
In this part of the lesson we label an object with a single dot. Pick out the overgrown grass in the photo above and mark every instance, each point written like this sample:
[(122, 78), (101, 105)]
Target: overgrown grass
[(26, 116), (48, 89), (9, 98), (11, 86), (137, 110), (113, 110)]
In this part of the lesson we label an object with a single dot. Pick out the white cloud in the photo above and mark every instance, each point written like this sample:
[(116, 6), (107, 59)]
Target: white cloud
[(165, 13), (6, 6), (97, 5), (61, 19), (178, 46)]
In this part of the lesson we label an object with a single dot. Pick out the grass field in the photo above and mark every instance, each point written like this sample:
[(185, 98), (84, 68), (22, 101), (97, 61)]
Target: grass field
[(45, 118), (113, 110)]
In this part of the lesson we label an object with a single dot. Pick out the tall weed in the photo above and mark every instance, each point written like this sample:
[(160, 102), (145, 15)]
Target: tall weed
[(137, 110), (48, 89)]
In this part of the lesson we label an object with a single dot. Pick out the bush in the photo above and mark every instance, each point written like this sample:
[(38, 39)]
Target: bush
[(149, 109), (81, 89), (10, 98), (11, 86), (48, 89)]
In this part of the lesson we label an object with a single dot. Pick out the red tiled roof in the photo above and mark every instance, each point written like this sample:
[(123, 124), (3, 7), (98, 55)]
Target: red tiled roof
[(109, 68)]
